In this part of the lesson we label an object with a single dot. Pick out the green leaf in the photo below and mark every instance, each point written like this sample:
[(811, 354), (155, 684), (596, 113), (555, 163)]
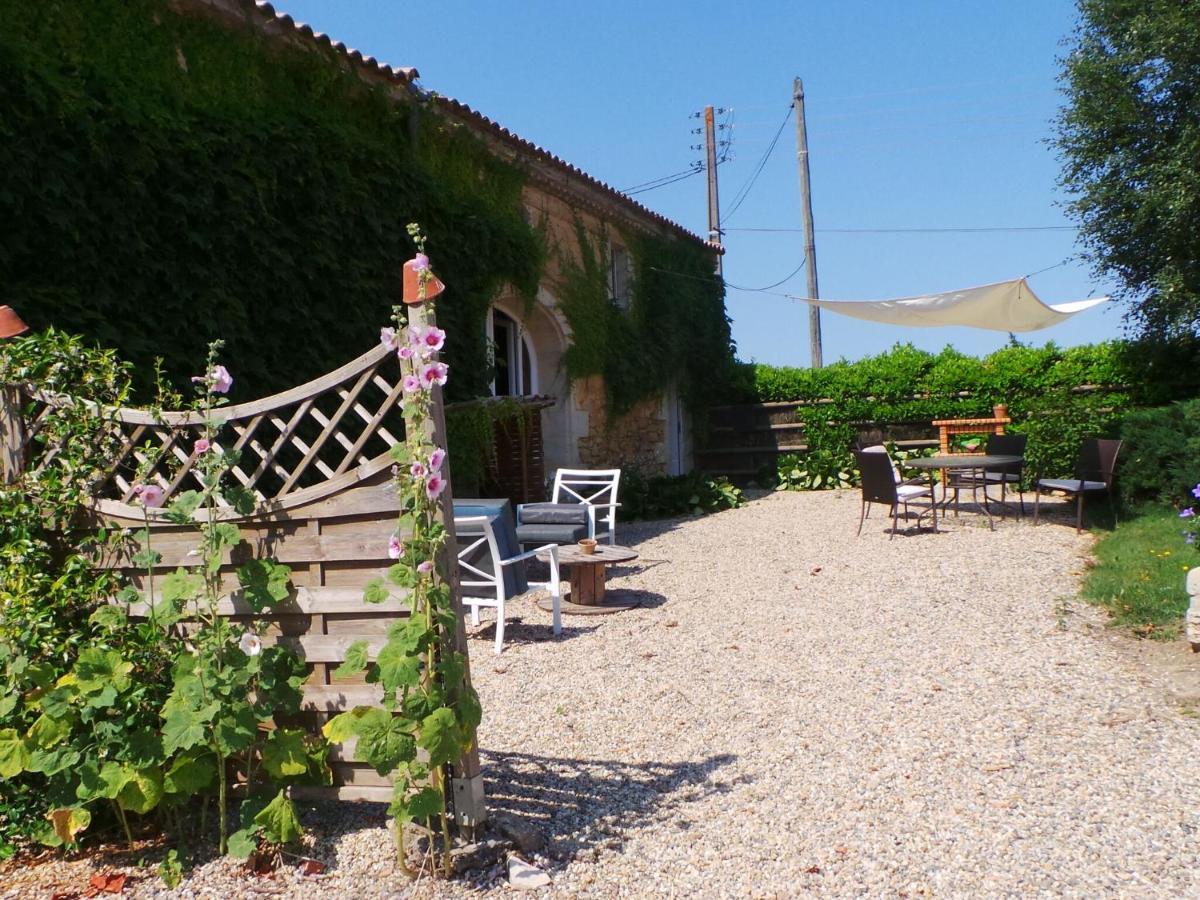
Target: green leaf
[(225, 534), (183, 726), (142, 790), (284, 754), (440, 737), (401, 575), (243, 842), (356, 659), (181, 585), (94, 669), (384, 741), (279, 821), (8, 703), (184, 506), (425, 803), (264, 583), (235, 730), (109, 617), (146, 558), (398, 453), (143, 748), (242, 500), (191, 772), (113, 778), (51, 762), (397, 667), (345, 725), (409, 635), (376, 591), (470, 712), (58, 701), (46, 731)]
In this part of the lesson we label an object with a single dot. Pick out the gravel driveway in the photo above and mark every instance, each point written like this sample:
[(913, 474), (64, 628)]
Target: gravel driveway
[(794, 710)]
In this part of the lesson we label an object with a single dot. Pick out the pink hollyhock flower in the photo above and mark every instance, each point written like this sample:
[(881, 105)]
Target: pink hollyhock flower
[(395, 548), (387, 337), (434, 373), (434, 486), (405, 352), (202, 446), (420, 262), (412, 384), (417, 470), (432, 338), (219, 380), (436, 460), (426, 567), (151, 495)]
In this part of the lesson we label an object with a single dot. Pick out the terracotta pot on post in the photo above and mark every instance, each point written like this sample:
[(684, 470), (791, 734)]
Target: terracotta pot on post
[(10, 323), (1000, 411)]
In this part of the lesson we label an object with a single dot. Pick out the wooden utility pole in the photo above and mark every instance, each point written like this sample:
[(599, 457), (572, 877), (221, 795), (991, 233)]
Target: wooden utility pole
[(810, 243), (714, 206)]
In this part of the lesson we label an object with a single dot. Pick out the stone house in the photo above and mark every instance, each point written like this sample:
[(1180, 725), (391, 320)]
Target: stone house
[(529, 340)]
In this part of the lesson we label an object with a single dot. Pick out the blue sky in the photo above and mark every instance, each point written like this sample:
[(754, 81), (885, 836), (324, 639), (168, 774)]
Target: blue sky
[(920, 115)]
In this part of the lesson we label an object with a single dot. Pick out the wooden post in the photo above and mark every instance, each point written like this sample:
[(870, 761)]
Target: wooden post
[(470, 809), (810, 242), (12, 434)]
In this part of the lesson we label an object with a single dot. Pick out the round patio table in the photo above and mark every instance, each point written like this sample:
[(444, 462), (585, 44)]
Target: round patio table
[(586, 572), (961, 462)]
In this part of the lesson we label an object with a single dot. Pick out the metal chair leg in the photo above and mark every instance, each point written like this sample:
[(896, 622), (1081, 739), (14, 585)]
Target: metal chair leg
[(1037, 502), (895, 520), (1079, 513), (862, 515)]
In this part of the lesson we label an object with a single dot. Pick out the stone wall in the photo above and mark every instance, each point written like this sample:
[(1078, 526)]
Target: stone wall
[(635, 441)]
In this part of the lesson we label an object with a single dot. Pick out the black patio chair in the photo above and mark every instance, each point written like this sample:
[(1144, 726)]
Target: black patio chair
[(1001, 445), (1094, 470), (879, 486)]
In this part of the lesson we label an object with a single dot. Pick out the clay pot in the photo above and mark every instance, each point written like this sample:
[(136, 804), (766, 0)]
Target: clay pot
[(587, 546), (412, 285), (1000, 411), (10, 323)]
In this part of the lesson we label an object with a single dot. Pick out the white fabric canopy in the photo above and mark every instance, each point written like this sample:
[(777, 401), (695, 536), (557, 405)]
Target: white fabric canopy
[(1004, 306)]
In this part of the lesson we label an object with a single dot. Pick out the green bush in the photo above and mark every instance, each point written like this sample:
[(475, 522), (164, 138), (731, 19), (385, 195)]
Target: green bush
[(665, 496), (1160, 461)]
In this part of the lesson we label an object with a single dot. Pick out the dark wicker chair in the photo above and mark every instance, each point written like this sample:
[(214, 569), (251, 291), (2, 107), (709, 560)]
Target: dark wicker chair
[(879, 486), (1001, 445), (1094, 474)]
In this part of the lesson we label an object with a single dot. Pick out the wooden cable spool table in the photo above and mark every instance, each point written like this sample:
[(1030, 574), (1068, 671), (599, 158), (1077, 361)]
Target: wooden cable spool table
[(586, 572)]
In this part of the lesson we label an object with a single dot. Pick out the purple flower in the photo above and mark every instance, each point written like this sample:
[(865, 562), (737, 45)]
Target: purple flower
[(219, 380), (395, 547), (405, 352), (1189, 538), (434, 486), (418, 470), (426, 567), (434, 373), (420, 262), (202, 446), (436, 460), (151, 495), (1196, 492), (412, 384), (1187, 513), (387, 337)]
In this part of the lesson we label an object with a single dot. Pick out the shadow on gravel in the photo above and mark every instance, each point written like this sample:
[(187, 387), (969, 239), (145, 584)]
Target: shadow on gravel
[(517, 631), (584, 805)]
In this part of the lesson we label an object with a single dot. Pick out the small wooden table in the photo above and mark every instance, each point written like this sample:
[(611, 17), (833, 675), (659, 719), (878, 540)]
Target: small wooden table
[(586, 574)]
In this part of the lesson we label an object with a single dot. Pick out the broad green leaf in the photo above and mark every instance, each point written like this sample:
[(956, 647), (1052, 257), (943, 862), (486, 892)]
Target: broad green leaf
[(41, 674), (235, 730), (184, 506), (401, 575), (95, 668), (279, 821), (181, 585), (440, 737), (425, 803), (146, 558), (409, 635), (264, 582), (113, 778), (226, 534), (51, 762), (109, 617), (242, 500), (103, 699), (376, 591), (356, 659), (8, 703), (243, 842), (345, 725), (69, 822), (284, 754), (184, 727), (58, 701), (384, 741), (191, 772), (397, 667), (143, 748), (398, 453), (142, 791), (167, 613), (46, 731), (470, 712)]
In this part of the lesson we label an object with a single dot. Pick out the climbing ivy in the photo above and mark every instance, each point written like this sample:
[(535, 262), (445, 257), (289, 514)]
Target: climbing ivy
[(674, 331), (161, 172)]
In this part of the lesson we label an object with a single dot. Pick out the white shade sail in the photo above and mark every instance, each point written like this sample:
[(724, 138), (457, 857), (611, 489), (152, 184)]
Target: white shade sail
[(1004, 306)]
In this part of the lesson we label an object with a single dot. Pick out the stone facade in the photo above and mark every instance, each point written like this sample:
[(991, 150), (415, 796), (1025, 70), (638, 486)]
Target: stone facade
[(634, 441)]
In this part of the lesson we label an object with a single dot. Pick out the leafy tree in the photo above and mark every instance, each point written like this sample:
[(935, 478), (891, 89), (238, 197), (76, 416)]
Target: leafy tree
[(1130, 138)]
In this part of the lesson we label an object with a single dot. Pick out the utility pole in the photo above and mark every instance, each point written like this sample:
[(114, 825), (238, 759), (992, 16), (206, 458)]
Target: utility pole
[(714, 207), (810, 242)]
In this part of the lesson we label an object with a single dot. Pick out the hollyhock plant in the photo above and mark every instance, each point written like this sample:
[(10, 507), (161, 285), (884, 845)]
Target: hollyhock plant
[(420, 262), (406, 352), (412, 384), (203, 445), (150, 495), (434, 373), (395, 547), (418, 470), (250, 644), (425, 567), (428, 339), (436, 460), (434, 486), (387, 337)]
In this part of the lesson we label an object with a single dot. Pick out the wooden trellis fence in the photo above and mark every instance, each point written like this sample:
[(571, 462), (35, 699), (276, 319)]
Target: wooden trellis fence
[(316, 458)]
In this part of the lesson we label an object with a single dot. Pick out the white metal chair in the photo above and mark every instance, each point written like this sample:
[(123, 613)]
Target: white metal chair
[(481, 588), (595, 488)]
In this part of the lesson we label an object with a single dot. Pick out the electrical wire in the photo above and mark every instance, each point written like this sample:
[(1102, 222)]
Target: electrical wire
[(658, 182), (763, 290), (954, 230), (744, 192)]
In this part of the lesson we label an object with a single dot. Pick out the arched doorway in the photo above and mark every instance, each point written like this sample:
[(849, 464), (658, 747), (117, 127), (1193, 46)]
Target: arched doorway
[(516, 369)]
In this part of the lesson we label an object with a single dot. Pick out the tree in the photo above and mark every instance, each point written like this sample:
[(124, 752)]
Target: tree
[(1130, 140)]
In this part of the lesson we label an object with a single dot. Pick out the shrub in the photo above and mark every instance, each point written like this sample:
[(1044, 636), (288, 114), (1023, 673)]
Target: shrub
[(664, 496), (1160, 461)]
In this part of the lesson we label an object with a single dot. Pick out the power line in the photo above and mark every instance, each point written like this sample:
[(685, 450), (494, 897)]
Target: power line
[(663, 182), (647, 185), (955, 230), (742, 194), (761, 290)]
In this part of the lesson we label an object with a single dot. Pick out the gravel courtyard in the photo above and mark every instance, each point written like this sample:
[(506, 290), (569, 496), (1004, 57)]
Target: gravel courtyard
[(795, 710)]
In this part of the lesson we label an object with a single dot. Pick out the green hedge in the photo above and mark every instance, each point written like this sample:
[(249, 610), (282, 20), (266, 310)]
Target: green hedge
[(1160, 461)]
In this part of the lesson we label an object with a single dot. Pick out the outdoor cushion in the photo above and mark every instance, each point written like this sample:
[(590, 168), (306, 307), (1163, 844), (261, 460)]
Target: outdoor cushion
[(904, 491), (553, 514), (500, 512), (550, 534), (1071, 485)]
